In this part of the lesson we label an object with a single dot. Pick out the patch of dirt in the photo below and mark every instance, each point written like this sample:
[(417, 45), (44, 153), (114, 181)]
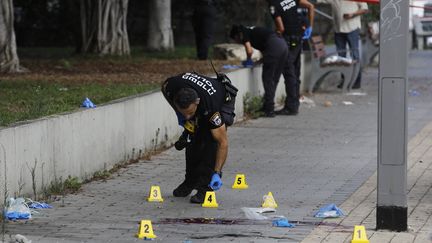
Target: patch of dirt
[(108, 71)]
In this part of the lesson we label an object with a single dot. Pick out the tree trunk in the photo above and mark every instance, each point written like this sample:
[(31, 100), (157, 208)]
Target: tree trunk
[(9, 61), (160, 35), (103, 26)]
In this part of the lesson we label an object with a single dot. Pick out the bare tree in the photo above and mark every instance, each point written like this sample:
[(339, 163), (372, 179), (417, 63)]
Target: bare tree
[(160, 35), (103, 27), (9, 61)]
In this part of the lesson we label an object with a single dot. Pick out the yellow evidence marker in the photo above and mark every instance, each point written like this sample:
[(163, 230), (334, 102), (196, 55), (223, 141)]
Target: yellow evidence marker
[(155, 194), (240, 182), (145, 230), (210, 200), (269, 201), (359, 235)]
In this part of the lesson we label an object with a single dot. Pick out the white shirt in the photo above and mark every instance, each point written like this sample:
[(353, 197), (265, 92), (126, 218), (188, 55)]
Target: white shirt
[(341, 7)]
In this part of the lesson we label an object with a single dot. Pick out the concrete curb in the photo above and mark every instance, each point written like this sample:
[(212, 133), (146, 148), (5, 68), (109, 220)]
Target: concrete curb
[(80, 143)]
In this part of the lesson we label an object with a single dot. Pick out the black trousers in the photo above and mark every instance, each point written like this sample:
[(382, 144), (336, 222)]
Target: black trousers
[(203, 21), (274, 62), (292, 74), (200, 159)]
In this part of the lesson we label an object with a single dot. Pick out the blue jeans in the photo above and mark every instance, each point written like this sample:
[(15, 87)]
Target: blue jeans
[(352, 39)]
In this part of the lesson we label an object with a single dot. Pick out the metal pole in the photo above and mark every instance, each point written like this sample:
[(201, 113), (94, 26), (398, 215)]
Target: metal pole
[(392, 116)]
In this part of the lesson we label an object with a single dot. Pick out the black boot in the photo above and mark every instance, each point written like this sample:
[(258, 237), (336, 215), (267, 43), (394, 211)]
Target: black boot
[(183, 190)]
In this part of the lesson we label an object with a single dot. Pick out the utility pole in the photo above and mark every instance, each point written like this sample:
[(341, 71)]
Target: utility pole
[(392, 205)]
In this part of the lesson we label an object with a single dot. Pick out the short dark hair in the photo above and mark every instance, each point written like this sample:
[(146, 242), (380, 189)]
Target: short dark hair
[(185, 97)]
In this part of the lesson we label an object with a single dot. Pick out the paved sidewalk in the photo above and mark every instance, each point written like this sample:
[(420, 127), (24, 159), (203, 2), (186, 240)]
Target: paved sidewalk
[(323, 155), (360, 207)]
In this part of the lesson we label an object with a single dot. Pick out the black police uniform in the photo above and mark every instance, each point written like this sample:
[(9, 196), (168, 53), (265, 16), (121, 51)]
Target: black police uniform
[(287, 10), (201, 152), (275, 53), (203, 24)]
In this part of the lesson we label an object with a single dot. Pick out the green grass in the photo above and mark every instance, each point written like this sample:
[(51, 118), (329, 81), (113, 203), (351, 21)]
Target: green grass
[(252, 105), (24, 100), (68, 53)]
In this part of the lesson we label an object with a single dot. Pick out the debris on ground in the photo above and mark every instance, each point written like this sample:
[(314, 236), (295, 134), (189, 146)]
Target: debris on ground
[(229, 66), (256, 213), (308, 102), (327, 103), (413, 92), (347, 103), (357, 93), (329, 211), (283, 222), (87, 103), (17, 209), (37, 205)]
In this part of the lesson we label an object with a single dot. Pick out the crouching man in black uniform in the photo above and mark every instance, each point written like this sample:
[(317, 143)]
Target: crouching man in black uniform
[(198, 102), (275, 54)]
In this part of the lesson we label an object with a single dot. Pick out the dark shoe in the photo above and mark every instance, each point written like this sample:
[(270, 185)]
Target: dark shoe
[(340, 85), (183, 190), (286, 112), (269, 114), (199, 196), (356, 86)]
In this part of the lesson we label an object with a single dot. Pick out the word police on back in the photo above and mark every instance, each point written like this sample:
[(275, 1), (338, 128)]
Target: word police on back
[(200, 81)]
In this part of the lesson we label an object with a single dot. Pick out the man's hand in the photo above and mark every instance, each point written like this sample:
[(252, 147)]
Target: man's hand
[(348, 16), (215, 182), (307, 33), (248, 63)]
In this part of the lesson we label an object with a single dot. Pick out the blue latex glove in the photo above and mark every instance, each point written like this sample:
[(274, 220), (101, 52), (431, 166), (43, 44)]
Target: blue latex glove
[(282, 223), (307, 33), (329, 211), (247, 63), (180, 119), (87, 103), (216, 182)]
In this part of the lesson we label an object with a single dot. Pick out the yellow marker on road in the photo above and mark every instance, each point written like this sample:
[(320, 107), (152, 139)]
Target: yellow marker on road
[(210, 200), (359, 235), (145, 230), (240, 182), (269, 201), (155, 194)]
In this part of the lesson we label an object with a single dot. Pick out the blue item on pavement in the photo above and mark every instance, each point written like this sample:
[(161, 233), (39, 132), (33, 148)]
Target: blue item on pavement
[(215, 182), (329, 211), (248, 63), (87, 103), (39, 205), (283, 223), (228, 66), (307, 33)]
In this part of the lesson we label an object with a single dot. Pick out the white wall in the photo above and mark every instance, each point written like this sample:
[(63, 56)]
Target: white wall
[(83, 142)]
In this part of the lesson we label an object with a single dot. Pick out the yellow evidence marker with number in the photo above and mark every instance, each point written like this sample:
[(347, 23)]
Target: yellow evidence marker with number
[(359, 234), (145, 230), (210, 200), (155, 194), (269, 201), (240, 182)]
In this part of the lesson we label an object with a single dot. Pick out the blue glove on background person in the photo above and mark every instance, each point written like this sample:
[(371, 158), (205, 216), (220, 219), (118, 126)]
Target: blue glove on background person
[(248, 63), (180, 119), (307, 33), (216, 182)]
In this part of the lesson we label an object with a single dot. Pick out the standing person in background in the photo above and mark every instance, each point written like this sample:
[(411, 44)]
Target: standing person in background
[(289, 26), (347, 25), (203, 24), (275, 53)]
